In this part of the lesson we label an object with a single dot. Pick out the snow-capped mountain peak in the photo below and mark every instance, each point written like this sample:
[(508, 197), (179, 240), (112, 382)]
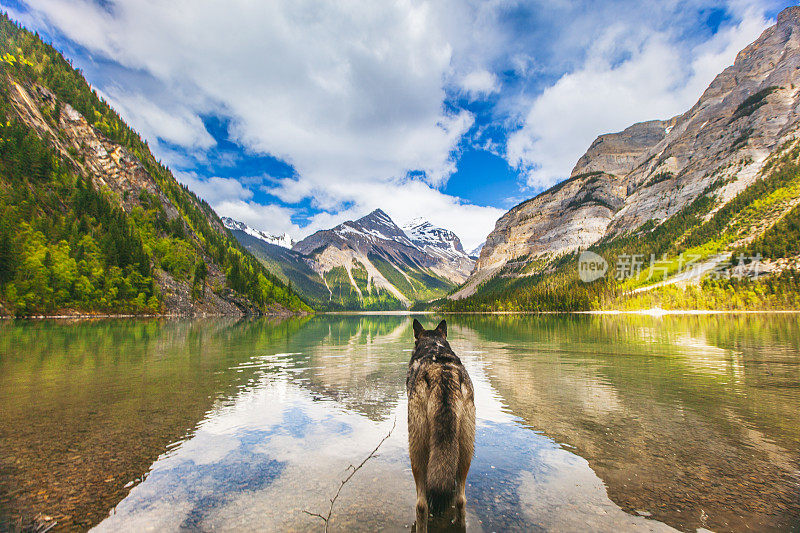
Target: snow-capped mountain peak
[(280, 240), (394, 263), (376, 225), (428, 237), (419, 221)]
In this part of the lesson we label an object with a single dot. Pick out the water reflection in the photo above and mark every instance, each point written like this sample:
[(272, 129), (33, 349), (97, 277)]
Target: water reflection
[(87, 407), (583, 422), (695, 434)]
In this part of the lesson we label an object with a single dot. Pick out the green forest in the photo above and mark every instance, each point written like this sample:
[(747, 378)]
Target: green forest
[(67, 245)]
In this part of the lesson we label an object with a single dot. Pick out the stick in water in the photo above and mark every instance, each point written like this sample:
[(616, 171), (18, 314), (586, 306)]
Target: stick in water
[(327, 519)]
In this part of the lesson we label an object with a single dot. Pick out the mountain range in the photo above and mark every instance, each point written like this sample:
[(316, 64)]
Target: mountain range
[(91, 222), (369, 263), (710, 184)]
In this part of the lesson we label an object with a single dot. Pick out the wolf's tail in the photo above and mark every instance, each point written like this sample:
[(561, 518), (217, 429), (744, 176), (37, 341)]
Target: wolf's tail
[(443, 459)]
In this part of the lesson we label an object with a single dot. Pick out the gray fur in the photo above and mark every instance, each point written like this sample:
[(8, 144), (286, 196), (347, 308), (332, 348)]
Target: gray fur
[(441, 425)]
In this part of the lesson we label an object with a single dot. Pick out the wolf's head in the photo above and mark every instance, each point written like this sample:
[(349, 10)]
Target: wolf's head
[(420, 332), (432, 344), (431, 341)]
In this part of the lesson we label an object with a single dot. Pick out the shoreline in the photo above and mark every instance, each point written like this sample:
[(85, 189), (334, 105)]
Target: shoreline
[(171, 315), (647, 312), (662, 312), (654, 312)]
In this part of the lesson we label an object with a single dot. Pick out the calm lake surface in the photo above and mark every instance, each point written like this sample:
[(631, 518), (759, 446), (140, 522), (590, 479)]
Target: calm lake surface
[(585, 423)]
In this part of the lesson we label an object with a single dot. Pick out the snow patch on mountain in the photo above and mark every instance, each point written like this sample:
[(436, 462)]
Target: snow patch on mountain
[(434, 240), (280, 240), (376, 225)]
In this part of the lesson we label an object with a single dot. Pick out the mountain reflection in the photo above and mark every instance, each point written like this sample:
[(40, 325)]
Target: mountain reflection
[(350, 364), (691, 420)]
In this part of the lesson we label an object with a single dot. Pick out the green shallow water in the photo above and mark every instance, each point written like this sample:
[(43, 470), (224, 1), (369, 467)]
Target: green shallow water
[(584, 423)]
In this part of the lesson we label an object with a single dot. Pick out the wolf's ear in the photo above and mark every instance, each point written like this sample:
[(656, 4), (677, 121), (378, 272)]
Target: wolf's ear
[(441, 329), (417, 329)]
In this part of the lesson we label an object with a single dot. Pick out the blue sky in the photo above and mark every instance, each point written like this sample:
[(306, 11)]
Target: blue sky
[(293, 115)]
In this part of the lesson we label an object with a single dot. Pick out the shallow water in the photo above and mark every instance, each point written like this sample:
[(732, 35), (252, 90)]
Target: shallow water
[(584, 423)]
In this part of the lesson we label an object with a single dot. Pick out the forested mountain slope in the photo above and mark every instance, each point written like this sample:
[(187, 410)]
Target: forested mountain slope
[(718, 181), (291, 267), (90, 222)]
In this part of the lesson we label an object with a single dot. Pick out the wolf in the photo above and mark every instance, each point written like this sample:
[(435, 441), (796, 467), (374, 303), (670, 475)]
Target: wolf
[(441, 425)]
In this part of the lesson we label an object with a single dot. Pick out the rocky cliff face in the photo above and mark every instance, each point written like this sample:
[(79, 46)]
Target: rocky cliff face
[(619, 153), (652, 170)]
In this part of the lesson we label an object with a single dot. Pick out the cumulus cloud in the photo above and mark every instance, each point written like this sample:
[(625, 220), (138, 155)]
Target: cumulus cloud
[(214, 189), (336, 89), (230, 197), (271, 218), (656, 78)]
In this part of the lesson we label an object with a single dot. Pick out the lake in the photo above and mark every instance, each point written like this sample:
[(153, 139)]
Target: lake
[(585, 423)]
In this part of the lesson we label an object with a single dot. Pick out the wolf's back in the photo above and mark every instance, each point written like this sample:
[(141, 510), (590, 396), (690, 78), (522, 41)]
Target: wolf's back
[(445, 410)]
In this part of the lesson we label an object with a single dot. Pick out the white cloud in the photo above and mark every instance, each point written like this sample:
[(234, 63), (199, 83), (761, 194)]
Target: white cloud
[(214, 190), (271, 218), (180, 125), (230, 198), (479, 83), (658, 79), (336, 89)]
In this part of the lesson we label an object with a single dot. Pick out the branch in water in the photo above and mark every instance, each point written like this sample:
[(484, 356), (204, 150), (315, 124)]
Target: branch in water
[(327, 519)]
